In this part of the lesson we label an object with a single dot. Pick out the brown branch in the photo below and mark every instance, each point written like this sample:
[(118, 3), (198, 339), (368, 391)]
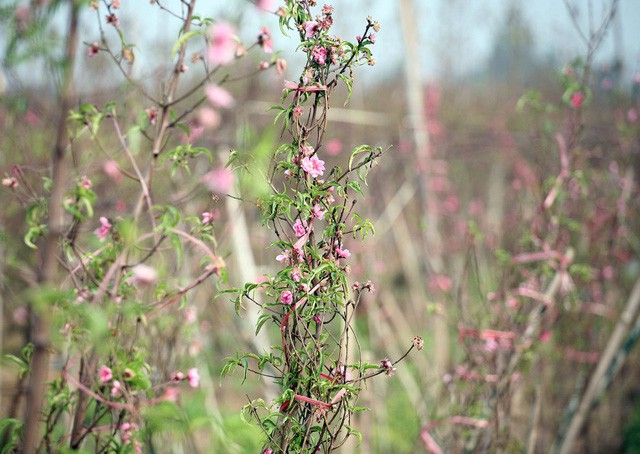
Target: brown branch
[(47, 273)]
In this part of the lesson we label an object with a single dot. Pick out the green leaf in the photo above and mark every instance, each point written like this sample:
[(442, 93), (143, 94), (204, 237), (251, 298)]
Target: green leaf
[(349, 83), (183, 39)]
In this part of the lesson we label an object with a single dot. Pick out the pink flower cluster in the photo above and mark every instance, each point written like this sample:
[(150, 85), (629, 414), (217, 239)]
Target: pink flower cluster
[(105, 375)]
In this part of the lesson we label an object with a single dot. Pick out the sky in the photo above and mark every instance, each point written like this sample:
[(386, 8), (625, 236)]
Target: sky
[(456, 37)]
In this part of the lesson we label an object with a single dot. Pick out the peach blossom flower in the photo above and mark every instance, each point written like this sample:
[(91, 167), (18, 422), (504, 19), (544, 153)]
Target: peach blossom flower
[(313, 166), (218, 96), (193, 377), (105, 374), (222, 44), (219, 180), (104, 230)]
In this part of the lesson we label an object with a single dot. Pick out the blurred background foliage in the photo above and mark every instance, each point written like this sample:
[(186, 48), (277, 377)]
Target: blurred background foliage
[(490, 168)]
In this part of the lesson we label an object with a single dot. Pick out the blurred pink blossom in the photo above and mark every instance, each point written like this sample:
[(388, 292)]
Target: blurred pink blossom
[(218, 96), (112, 170), (265, 5), (222, 45), (121, 206), (265, 41), (193, 377), (281, 66), (105, 374), (10, 182), (343, 253), (94, 48), (115, 390), (208, 118), (21, 316), (86, 183), (334, 147), (171, 394), (144, 275), (104, 230), (577, 98), (219, 180)]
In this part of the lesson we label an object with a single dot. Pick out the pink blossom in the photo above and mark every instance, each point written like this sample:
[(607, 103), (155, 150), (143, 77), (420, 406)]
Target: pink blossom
[(265, 5), (219, 181), (263, 65), (206, 117), (115, 4), (190, 315), (310, 28), (10, 182), (372, 38), (300, 227), (104, 230), (577, 98), (318, 212), (334, 147), (222, 45), (306, 149), (281, 66), (86, 183), (105, 374), (264, 39), (112, 170), (21, 316), (151, 115), (171, 394), (94, 48), (296, 274), (144, 275), (207, 217), (319, 55), (297, 111), (218, 96), (177, 376), (343, 253), (286, 297), (284, 256), (387, 365), (115, 390), (193, 377), (313, 166), (113, 20)]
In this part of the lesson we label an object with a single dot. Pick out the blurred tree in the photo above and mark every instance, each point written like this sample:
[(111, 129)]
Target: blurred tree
[(512, 59)]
